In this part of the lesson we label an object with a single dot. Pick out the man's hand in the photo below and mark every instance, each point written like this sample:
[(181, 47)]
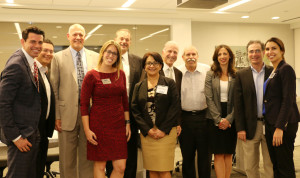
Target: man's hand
[(23, 144), (277, 137), (178, 129), (242, 135), (58, 125)]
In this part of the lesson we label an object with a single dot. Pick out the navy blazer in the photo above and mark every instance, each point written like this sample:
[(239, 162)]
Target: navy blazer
[(280, 97), (20, 104), (167, 106), (245, 101)]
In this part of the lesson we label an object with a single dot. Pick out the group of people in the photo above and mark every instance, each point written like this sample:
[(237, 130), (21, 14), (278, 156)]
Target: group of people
[(98, 103)]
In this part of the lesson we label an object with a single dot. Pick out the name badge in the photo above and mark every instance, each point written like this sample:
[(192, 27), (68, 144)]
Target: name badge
[(106, 81), (162, 89), (272, 75)]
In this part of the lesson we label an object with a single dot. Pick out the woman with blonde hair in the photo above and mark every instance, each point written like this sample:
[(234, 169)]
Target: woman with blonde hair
[(106, 124)]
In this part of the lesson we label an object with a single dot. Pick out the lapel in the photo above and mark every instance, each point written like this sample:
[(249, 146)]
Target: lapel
[(69, 63), (229, 84), (28, 68), (249, 76), (132, 68), (275, 73), (89, 60), (216, 84)]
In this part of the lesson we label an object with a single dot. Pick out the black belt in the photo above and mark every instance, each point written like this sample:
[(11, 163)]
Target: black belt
[(260, 118), (197, 112)]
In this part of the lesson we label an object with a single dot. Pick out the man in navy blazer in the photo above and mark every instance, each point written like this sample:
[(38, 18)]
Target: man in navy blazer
[(20, 106)]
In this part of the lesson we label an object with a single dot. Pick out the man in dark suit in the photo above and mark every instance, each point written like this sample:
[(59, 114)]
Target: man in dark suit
[(248, 104), (20, 106), (47, 120), (169, 55), (132, 66)]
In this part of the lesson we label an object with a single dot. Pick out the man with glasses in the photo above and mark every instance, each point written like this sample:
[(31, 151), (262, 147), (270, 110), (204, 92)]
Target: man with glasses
[(194, 135), (47, 119), (67, 72), (248, 105)]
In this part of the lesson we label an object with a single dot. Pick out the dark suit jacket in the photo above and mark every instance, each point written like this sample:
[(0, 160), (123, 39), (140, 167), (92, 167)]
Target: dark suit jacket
[(280, 97), (20, 106), (178, 78), (167, 106), (135, 65), (48, 125), (245, 103)]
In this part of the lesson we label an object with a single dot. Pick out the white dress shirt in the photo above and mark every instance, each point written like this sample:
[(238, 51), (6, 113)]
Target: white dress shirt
[(224, 91), (167, 71), (192, 88), (43, 71), (83, 59), (126, 70), (258, 78)]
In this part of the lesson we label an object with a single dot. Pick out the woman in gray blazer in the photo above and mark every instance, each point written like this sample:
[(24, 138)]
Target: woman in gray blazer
[(219, 84), (156, 107)]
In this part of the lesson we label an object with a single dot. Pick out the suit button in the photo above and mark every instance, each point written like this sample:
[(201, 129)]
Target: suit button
[(265, 101)]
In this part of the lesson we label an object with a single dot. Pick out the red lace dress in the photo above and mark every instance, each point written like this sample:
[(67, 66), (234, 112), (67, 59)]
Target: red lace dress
[(106, 116)]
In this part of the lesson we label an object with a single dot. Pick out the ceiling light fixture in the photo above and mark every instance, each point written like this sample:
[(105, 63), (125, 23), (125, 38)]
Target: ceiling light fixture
[(155, 33), (233, 5), (128, 3), (245, 17), (10, 1), (92, 31), (19, 32), (275, 18)]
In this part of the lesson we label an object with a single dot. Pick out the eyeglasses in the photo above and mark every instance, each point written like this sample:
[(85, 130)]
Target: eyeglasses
[(111, 53), (254, 51), (152, 63)]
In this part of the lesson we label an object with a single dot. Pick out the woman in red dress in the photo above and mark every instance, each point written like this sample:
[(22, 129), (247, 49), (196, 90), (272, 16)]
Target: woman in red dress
[(106, 124)]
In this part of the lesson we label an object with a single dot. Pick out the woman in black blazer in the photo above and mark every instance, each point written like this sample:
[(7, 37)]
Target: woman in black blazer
[(280, 110), (156, 108)]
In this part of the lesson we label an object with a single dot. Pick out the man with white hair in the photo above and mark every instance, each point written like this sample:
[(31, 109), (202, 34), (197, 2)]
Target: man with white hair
[(194, 135), (67, 72)]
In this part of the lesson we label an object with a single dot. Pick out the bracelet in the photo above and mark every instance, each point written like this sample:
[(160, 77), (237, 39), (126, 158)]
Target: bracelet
[(127, 121)]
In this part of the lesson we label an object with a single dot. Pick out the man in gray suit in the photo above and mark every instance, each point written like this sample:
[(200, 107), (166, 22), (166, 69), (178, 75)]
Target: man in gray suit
[(132, 66), (67, 72), (20, 107), (248, 104)]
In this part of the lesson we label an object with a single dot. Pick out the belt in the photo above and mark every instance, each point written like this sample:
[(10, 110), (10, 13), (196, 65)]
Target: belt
[(197, 112), (260, 118)]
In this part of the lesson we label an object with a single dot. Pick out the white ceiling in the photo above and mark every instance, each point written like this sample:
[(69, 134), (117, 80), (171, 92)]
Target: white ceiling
[(260, 11)]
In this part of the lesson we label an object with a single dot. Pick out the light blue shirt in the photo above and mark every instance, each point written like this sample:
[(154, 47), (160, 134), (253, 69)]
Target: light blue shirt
[(258, 78), (83, 59)]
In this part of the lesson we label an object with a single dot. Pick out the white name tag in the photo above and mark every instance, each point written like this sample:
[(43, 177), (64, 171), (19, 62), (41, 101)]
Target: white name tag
[(106, 81), (162, 89)]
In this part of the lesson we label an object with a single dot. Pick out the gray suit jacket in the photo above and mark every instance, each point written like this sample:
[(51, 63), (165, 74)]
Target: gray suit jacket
[(20, 106), (64, 82), (213, 100), (245, 102)]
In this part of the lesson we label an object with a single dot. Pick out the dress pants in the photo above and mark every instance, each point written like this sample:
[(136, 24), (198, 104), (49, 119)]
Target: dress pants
[(131, 162), (282, 156), (252, 154), (73, 153), (42, 157), (195, 137), (23, 164)]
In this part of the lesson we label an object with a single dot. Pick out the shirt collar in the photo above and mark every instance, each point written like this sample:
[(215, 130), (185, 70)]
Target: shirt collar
[(74, 52), (166, 67), (30, 60), (43, 69), (262, 69), (198, 69)]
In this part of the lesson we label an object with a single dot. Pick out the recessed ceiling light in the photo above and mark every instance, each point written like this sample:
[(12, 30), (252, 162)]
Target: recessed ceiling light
[(128, 3), (146, 49), (245, 17), (10, 1), (54, 36), (234, 5), (58, 26), (274, 18)]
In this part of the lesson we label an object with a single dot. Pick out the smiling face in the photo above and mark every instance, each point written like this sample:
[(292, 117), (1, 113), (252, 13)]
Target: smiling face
[(124, 40), (76, 37), (223, 57), (46, 55), (33, 44), (110, 55), (169, 54), (255, 54), (190, 57), (152, 67), (273, 52)]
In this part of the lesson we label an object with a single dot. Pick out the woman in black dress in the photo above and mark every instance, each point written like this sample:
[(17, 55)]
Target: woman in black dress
[(219, 84)]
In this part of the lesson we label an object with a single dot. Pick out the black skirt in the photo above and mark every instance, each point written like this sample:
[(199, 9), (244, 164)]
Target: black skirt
[(223, 141)]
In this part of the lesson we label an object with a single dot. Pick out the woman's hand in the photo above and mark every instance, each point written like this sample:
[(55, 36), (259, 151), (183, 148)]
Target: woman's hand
[(91, 137), (160, 134), (152, 133), (128, 132), (224, 124), (277, 137)]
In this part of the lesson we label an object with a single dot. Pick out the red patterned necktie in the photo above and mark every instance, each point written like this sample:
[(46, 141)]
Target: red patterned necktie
[(36, 75)]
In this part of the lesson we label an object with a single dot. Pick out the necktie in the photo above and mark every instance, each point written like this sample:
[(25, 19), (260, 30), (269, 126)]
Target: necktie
[(171, 73), (80, 72), (36, 75)]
